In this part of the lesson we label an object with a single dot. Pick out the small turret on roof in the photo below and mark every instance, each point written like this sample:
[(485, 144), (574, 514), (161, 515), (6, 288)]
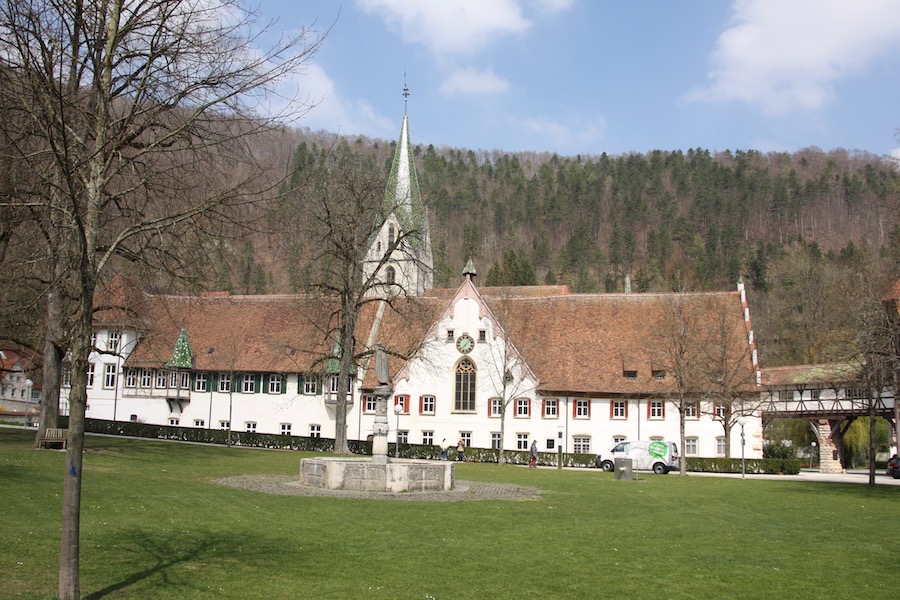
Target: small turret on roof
[(469, 269), (182, 357)]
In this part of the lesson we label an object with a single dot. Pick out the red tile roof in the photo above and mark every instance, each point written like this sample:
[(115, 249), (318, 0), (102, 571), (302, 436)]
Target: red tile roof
[(577, 343), (585, 342)]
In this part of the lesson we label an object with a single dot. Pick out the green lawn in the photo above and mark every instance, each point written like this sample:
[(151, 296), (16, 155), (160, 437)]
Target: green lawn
[(154, 526)]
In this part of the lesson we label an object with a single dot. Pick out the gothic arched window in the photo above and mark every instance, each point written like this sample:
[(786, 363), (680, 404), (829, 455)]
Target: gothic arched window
[(390, 275), (391, 235), (465, 386)]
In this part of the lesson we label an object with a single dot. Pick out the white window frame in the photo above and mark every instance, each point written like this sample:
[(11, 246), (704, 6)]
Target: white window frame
[(427, 438), (160, 379), (315, 430), (200, 382), (185, 380), (113, 339), (656, 409), (690, 410), (224, 424), (620, 409), (496, 407), (370, 403), (495, 440), (310, 384), (285, 429), (174, 421), (582, 409), (89, 375), (523, 408), (224, 382), (581, 444), (248, 384), (200, 423), (429, 403), (691, 446), (721, 446), (522, 442), (131, 378), (551, 408), (274, 384), (250, 426), (146, 378), (109, 376)]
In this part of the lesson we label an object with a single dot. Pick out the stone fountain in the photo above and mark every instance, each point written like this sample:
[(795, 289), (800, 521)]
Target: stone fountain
[(380, 473)]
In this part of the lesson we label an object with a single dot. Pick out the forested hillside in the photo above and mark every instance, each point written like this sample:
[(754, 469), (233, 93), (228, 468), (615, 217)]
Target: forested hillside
[(791, 225), (797, 227)]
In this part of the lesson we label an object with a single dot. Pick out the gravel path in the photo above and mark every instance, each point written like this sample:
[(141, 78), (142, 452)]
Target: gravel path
[(289, 485)]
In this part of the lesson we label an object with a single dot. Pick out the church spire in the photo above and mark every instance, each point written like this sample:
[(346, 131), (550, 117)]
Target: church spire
[(411, 266)]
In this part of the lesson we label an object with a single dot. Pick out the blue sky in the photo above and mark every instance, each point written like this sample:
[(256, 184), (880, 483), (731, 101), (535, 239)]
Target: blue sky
[(592, 76)]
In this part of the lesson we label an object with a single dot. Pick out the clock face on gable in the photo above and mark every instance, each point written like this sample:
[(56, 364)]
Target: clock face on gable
[(465, 343)]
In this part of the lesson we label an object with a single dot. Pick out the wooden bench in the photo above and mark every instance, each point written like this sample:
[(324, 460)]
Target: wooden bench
[(54, 436)]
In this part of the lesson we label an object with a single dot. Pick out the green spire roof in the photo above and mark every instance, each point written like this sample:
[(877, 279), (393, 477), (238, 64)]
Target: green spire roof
[(182, 357), (469, 269), (402, 196), (334, 362)]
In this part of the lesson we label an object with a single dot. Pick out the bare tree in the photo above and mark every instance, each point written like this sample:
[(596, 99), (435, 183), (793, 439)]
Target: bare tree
[(507, 372), (873, 351), (341, 193), (729, 376), (117, 97), (677, 349)]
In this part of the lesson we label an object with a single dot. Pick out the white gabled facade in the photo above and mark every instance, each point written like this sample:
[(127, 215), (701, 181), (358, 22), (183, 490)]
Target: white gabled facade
[(448, 390), (566, 370)]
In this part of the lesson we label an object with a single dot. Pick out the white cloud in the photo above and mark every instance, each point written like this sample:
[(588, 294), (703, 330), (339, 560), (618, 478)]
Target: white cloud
[(330, 111), (787, 56), (563, 137), (552, 5), (470, 81), (458, 28)]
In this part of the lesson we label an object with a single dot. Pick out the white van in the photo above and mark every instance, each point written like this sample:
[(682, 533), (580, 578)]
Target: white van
[(658, 455)]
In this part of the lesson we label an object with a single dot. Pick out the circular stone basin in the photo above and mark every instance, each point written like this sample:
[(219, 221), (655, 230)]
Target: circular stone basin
[(363, 475)]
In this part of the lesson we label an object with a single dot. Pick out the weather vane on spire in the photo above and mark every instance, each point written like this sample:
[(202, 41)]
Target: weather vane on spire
[(405, 92)]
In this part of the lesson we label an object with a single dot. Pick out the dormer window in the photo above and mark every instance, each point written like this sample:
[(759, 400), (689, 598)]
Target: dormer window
[(659, 374), (630, 374)]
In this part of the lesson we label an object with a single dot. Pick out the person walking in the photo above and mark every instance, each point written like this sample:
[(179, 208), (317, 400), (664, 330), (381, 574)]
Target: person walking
[(532, 455), (460, 450), (445, 446)]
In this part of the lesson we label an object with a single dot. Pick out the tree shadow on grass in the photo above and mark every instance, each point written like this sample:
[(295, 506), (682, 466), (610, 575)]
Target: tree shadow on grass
[(159, 556)]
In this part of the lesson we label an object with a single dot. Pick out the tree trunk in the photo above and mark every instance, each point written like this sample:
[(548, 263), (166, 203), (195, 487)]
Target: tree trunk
[(52, 375), (347, 352), (69, 554), (682, 463)]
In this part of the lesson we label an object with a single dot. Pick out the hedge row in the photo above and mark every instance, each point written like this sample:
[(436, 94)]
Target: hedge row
[(788, 466), (785, 466)]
